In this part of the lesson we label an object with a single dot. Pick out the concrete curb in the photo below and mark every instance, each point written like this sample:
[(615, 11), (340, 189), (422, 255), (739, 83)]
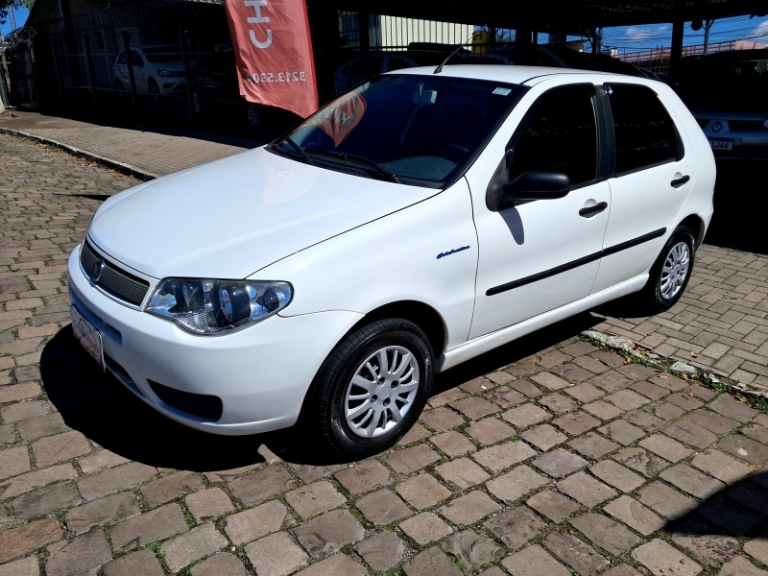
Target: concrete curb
[(121, 167), (710, 378)]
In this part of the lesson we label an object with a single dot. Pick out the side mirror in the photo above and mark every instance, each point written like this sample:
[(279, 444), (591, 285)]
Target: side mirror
[(536, 185)]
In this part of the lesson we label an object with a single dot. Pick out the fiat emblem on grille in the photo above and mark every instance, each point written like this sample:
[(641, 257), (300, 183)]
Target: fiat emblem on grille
[(97, 269)]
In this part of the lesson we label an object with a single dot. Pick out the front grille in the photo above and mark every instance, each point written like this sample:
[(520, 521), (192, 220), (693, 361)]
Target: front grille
[(200, 405), (112, 279)]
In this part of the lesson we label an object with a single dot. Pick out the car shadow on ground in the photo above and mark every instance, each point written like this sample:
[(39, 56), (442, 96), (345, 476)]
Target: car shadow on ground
[(712, 529), (291, 445), (98, 405)]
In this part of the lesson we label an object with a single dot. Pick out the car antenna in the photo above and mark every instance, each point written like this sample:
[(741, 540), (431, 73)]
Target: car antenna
[(452, 54)]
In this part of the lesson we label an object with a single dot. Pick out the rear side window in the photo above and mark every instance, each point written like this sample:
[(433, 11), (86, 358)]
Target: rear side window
[(645, 133)]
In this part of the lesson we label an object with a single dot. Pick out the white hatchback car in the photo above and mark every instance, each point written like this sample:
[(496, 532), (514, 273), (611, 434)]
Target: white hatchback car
[(424, 218)]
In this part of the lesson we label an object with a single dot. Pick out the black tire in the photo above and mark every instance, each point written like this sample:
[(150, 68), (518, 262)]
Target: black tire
[(670, 273), (360, 354)]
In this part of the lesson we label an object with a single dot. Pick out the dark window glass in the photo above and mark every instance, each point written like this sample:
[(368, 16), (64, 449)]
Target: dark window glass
[(645, 134), (560, 135), (419, 128)]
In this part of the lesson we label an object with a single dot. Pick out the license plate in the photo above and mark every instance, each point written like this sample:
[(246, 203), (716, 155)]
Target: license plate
[(721, 144), (88, 336)]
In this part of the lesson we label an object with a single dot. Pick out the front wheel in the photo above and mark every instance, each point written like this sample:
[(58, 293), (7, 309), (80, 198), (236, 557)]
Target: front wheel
[(671, 271), (372, 388)]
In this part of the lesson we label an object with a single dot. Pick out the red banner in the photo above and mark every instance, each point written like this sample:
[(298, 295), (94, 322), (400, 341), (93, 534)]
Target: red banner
[(273, 53)]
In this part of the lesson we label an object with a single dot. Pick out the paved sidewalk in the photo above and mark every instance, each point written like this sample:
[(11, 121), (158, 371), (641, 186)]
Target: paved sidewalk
[(145, 154), (548, 457)]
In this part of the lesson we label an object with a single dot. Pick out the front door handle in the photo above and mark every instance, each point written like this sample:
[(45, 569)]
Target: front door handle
[(590, 211), (677, 182)]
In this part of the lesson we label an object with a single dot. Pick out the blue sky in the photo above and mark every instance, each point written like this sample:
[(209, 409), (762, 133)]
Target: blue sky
[(20, 14), (627, 38), (634, 38)]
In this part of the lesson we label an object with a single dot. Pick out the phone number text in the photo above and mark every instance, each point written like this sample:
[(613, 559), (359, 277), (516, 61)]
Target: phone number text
[(276, 77)]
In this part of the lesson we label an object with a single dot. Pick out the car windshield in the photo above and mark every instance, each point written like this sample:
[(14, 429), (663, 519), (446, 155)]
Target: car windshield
[(161, 54), (414, 129)]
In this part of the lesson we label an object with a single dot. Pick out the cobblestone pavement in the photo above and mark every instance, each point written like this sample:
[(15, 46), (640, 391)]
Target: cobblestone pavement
[(548, 457)]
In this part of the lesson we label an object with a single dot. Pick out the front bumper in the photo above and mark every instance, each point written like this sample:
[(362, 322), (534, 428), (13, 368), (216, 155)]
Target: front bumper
[(260, 374)]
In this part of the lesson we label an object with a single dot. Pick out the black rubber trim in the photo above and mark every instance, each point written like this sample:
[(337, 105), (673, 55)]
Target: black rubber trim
[(576, 263), (635, 242)]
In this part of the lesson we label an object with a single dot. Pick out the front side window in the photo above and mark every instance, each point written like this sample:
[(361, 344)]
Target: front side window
[(560, 135), (421, 130), (645, 133)]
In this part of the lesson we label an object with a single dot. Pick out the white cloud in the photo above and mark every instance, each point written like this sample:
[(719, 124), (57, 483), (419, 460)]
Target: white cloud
[(761, 31), (645, 33)]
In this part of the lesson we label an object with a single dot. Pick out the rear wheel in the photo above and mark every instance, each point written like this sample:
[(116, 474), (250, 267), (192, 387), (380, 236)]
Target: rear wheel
[(372, 388), (670, 273)]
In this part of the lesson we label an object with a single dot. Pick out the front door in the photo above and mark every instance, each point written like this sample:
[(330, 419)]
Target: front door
[(538, 255)]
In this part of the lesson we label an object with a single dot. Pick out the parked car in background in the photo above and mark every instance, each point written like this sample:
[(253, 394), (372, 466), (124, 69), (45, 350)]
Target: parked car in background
[(727, 92), (360, 67), (156, 70), (559, 56), (216, 97), (408, 226)]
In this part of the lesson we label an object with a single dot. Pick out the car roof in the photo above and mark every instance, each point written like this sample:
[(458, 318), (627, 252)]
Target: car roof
[(513, 74)]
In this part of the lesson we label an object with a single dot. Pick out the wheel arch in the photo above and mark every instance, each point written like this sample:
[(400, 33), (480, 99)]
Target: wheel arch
[(423, 315), (696, 225)]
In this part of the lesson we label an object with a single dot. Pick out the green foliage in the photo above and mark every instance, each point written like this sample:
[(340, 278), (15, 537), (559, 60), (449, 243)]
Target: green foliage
[(15, 4)]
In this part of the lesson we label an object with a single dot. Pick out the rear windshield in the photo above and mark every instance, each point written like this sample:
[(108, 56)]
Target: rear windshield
[(422, 130)]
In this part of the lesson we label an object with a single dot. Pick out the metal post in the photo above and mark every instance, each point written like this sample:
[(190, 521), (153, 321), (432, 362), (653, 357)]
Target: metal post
[(187, 76), (129, 60), (707, 26), (56, 68), (91, 74)]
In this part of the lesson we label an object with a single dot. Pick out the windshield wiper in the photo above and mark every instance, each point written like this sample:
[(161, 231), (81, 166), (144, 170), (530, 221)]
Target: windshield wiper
[(378, 168), (299, 150)]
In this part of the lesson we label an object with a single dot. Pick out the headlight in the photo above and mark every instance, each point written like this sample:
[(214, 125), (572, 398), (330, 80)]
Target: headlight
[(212, 307)]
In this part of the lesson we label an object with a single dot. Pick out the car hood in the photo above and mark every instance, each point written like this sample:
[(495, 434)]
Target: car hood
[(232, 217)]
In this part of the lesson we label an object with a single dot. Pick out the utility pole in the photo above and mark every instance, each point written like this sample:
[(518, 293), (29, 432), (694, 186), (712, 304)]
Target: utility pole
[(707, 26)]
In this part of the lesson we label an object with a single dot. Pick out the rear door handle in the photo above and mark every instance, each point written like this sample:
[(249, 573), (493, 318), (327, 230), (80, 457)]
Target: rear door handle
[(677, 182), (590, 211)]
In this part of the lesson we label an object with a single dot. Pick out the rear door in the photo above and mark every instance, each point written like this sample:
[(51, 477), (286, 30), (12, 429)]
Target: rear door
[(652, 179)]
